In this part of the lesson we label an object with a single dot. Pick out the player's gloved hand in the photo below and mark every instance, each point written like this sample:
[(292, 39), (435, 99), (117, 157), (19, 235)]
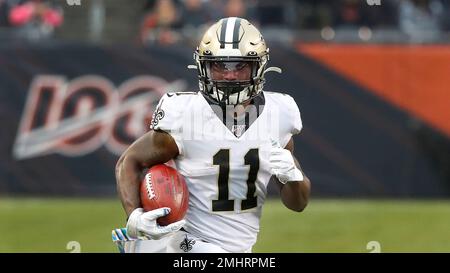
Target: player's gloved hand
[(143, 225), (283, 165)]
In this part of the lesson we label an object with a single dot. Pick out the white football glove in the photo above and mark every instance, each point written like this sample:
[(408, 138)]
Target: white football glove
[(283, 165), (143, 225)]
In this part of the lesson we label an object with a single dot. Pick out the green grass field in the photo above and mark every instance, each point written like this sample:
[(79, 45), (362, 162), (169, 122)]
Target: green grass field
[(47, 225)]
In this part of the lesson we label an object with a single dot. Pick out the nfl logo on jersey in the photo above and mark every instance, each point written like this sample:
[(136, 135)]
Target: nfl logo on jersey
[(238, 130)]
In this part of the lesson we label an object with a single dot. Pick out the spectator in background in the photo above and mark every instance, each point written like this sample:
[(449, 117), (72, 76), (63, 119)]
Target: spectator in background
[(35, 19), (4, 11), (421, 19), (161, 23), (195, 18), (349, 14), (273, 13), (235, 8), (194, 13), (313, 14), (215, 9), (382, 16), (149, 5)]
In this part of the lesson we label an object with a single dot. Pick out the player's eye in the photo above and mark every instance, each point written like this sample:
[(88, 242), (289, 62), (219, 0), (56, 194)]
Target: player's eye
[(241, 66), (218, 66)]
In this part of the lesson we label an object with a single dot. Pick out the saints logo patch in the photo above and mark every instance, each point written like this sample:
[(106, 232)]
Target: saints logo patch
[(157, 116), (186, 244)]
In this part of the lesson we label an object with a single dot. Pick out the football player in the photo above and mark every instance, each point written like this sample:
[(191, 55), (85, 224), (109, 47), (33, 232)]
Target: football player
[(228, 140)]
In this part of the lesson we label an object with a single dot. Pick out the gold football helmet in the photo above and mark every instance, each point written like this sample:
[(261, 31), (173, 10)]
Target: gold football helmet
[(231, 61)]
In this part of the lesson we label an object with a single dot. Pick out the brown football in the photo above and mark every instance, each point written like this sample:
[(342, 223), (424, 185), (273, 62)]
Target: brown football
[(163, 186)]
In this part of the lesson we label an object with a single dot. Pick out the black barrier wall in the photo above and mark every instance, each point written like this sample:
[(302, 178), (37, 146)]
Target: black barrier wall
[(68, 111)]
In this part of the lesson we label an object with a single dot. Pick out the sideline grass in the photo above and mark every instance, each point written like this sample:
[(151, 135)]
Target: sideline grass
[(47, 225)]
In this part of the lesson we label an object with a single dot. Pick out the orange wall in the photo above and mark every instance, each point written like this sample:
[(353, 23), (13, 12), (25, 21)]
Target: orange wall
[(415, 78)]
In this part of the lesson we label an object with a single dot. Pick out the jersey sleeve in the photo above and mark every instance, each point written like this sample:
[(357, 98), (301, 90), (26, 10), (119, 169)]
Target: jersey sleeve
[(297, 124), (167, 117), (294, 125)]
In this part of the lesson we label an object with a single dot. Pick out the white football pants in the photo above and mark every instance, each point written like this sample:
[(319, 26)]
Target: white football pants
[(178, 242)]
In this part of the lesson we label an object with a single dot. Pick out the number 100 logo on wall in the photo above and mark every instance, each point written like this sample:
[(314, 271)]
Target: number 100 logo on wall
[(77, 117)]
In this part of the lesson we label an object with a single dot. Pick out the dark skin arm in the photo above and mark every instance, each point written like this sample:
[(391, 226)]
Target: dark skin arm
[(155, 147), (295, 195)]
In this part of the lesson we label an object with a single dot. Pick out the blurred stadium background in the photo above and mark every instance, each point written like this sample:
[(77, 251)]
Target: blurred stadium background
[(78, 83)]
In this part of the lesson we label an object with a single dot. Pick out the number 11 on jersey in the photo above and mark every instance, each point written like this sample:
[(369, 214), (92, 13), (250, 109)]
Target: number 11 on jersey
[(222, 159)]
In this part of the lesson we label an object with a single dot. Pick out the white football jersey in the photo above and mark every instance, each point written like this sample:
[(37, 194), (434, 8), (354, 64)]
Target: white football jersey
[(226, 170)]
